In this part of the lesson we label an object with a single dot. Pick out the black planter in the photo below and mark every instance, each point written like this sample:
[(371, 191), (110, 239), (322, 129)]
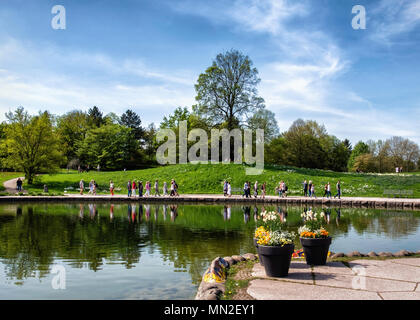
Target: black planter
[(276, 259), (316, 250), (259, 256)]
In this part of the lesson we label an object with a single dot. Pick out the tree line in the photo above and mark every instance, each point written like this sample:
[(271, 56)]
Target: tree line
[(226, 98)]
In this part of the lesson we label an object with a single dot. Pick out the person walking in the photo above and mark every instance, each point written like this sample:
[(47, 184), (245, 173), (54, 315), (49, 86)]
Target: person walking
[(147, 189), (245, 190), (325, 191), (172, 194), (225, 187), (285, 188), (263, 190), (140, 186), (91, 187), (328, 190), (165, 189), (94, 187), (305, 188), (229, 189), (313, 191), (111, 187), (157, 193), (134, 188), (81, 186), (176, 189), (19, 184), (129, 186), (256, 189), (338, 186), (310, 187)]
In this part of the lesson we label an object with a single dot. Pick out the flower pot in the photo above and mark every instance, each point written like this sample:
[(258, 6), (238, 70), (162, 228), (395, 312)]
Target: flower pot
[(276, 259), (259, 256), (316, 250)]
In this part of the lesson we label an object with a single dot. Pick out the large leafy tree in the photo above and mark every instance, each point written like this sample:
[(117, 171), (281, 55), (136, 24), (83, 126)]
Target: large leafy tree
[(112, 146), (72, 128), (359, 149), (227, 90), (31, 143)]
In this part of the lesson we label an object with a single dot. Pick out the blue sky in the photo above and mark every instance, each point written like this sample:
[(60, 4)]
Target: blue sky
[(147, 55)]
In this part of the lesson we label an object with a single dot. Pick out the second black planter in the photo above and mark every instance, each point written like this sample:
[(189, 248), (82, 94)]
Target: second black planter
[(316, 250), (276, 259)]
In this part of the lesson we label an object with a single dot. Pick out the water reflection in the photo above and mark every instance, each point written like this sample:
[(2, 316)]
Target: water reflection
[(89, 236)]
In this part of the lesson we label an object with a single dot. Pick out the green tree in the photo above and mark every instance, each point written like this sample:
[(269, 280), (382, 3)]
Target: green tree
[(359, 149), (31, 143), (95, 116), (111, 146), (132, 120), (266, 120), (226, 91), (72, 128)]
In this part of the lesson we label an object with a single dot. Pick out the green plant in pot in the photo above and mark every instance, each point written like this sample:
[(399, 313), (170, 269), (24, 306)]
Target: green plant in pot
[(274, 244), (314, 238)]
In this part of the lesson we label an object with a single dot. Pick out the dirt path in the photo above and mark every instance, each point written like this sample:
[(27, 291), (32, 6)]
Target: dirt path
[(10, 186)]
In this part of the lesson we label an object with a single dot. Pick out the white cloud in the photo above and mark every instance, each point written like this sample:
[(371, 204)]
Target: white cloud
[(40, 78), (394, 17)]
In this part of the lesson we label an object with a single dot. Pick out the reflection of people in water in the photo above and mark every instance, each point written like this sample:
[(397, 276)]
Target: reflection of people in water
[(282, 213), (255, 213), (111, 212), (165, 211), (337, 219), (140, 212), (247, 213), (225, 213), (229, 211), (156, 212), (174, 212), (147, 212), (134, 213), (18, 211), (327, 215), (81, 211), (92, 210), (129, 212)]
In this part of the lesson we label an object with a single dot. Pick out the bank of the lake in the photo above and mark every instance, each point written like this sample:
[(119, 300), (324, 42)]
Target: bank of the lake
[(208, 179)]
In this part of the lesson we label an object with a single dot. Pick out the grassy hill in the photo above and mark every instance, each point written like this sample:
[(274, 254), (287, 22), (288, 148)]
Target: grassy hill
[(208, 178)]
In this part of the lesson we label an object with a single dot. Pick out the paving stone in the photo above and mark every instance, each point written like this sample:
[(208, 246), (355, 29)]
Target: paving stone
[(407, 261), (400, 295), (333, 268), (298, 272), (283, 290), (361, 282), (388, 269)]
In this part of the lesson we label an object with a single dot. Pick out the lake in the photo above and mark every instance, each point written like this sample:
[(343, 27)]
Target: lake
[(151, 251)]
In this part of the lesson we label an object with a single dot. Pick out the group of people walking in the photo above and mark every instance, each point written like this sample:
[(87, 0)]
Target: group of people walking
[(134, 188), (309, 189)]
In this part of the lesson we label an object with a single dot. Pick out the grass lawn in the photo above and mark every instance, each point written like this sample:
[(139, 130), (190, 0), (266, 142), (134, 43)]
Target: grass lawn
[(208, 178), (4, 176)]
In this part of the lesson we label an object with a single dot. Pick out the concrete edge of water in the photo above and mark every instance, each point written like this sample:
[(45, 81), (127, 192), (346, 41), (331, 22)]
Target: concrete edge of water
[(373, 203)]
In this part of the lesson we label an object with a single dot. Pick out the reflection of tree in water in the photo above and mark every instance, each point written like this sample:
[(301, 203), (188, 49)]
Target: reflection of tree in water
[(33, 241), (187, 236)]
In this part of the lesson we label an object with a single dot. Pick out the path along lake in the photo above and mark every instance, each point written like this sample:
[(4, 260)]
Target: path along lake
[(151, 251)]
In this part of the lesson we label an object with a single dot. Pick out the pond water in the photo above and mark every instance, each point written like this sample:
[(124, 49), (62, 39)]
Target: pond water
[(142, 251)]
